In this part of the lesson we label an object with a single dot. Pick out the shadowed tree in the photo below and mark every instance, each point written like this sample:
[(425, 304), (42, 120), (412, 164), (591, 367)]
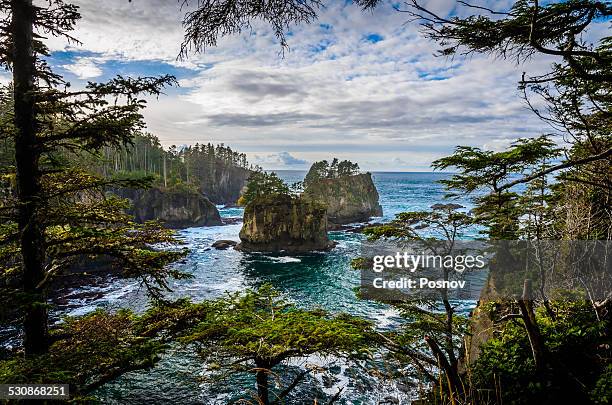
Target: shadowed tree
[(58, 213), (212, 19), (574, 97), (432, 339), (257, 331)]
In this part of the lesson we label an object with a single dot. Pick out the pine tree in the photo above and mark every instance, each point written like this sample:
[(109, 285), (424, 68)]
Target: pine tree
[(263, 185), (257, 330), (431, 339), (573, 97), (58, 212)]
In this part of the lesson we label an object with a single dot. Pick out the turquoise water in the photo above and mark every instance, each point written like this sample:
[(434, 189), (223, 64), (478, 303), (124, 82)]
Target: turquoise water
[(310, 280)]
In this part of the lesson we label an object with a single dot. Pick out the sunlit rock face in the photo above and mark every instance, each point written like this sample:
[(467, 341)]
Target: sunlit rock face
[(348, 198), (284, 223)]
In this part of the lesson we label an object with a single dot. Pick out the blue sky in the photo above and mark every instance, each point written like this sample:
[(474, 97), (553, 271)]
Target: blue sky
[(362, 86)]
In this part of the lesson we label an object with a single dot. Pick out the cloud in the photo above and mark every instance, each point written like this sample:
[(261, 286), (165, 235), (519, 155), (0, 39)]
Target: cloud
[(280, 160), (84, 68), (360, 83), (287, 159), (260, 120)]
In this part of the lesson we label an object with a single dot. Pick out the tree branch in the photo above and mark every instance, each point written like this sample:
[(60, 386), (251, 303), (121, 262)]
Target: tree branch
[(568, 164)]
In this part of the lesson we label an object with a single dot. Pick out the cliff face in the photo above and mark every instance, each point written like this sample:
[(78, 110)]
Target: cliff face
[(348, 198), (176, 208), (283, 223), (226, 185)]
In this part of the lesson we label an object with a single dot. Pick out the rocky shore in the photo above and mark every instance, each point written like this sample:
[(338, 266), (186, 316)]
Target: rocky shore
[(176, 208)]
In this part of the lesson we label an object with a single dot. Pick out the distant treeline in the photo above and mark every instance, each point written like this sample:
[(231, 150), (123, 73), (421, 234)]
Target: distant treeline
[(202, 167), (196, 165)]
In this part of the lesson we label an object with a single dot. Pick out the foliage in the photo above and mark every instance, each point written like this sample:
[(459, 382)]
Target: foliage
[(56, 212), (257, 330), (578, 346), (195, 167), (497, 208), (212, 19), (602, 393), (431, 340), (325, 170), (87, 352), (574, 97), (262, 184)]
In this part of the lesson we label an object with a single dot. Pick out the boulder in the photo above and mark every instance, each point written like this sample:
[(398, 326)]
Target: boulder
[(284, 223), (348, 198), (224, 244)]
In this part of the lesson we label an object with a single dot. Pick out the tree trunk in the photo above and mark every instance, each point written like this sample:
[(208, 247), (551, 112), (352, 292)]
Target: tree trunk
[(28, 177), (262, 382), (165, 180), (454, 381), (533, 331)]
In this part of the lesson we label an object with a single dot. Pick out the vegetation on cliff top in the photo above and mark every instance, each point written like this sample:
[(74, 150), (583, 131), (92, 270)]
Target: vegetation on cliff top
[(262, 184), (325, 170)]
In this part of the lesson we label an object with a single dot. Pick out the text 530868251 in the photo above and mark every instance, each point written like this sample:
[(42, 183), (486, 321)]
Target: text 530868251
[(34, 391)]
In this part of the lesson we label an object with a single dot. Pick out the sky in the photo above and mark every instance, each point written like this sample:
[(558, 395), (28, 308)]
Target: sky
[(357, 85)]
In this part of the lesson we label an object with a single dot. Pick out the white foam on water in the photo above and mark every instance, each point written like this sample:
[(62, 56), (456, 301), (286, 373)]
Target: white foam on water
[(284, 259)]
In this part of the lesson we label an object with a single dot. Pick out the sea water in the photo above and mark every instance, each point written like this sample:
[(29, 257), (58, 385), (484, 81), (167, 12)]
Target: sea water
[(311, 280)]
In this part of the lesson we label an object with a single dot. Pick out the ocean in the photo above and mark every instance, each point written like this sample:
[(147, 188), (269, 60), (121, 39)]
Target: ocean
[(323, 280)]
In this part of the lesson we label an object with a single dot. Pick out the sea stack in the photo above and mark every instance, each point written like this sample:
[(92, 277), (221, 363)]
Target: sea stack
[(284, 223), (348, 197)]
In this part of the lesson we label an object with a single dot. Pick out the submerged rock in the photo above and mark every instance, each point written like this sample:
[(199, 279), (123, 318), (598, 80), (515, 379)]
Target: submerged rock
[(176, 208), (224, 244), (284, 223), (348, 198)]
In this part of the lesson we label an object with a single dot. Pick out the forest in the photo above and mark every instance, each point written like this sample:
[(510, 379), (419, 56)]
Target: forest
[(196, 166), (62, 148)]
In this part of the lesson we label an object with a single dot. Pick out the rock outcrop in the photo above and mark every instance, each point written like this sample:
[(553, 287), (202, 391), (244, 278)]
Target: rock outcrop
[(175, 208), (223, 244), (348, 198), (226, 185), (284, 223)]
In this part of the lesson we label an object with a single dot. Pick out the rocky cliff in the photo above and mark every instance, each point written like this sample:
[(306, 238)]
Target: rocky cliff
[(225, 184), (177, 208), (348, 198), (284, 223)]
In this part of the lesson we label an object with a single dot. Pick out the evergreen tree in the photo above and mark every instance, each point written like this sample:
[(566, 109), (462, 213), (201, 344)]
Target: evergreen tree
[(58, 212), (498, 208), (432, 338), (576, 92), (257, 330), (262, 184), (317, 171), (325, 170)]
